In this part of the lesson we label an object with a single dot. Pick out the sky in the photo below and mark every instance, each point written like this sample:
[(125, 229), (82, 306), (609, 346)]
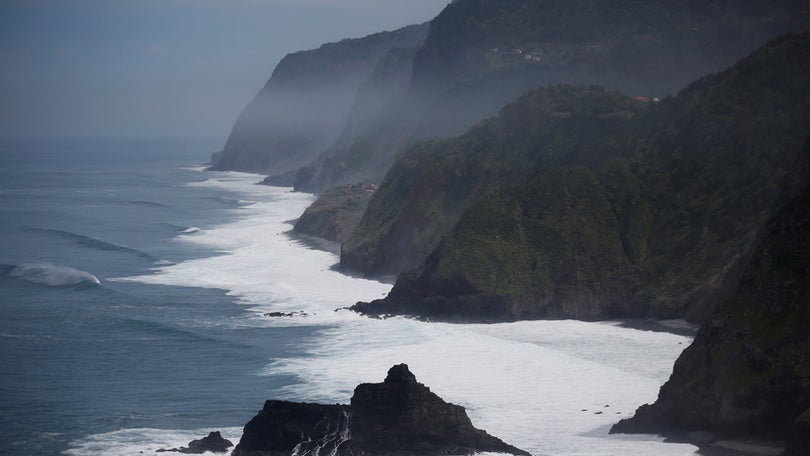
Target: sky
[(162, 68)]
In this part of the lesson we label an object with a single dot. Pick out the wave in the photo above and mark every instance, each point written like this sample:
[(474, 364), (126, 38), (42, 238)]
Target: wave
[(190, 230), (51, 275), (231, 202), (95, 243), (147, 203), (144, 441)]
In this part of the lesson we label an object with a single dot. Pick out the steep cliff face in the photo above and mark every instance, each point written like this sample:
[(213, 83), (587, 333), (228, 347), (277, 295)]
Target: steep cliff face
[(481, 54), (304, 106), (747, 373), (661, 229), (398, 417)]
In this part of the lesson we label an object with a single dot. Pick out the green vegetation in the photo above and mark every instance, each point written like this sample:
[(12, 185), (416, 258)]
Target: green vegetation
[(746, 374), (657, 218)]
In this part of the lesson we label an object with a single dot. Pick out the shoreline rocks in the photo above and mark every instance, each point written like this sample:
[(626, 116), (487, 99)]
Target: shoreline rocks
[(214, 443)]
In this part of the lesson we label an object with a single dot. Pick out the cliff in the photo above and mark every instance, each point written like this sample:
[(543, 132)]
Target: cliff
[(398, 417), (304, 106), (747, 373), (336, 212), (481, 54), (578, 203)]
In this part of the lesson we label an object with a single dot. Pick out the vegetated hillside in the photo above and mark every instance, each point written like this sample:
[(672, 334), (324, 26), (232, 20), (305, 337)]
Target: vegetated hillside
[(432, 184), (481, 54), (304, 106), (747, 373), (662, 229)]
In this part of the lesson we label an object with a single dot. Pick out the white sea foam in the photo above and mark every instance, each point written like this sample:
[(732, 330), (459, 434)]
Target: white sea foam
[(136, 442), (526, 382), (51, 275), (263, 267)]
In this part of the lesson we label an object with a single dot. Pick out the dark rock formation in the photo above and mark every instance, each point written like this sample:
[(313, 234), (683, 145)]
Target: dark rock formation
[(747, 373), (214, 443), (281, 426), (399, 417), (336, 212), (582, 203)]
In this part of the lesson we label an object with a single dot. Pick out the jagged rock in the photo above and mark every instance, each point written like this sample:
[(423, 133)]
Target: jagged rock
[(286, 314), (281, 426), (214, 443), (399, 417)]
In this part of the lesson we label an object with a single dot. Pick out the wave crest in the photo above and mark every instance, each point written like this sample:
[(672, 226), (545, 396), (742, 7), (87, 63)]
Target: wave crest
[(97, 244), (52, 275)]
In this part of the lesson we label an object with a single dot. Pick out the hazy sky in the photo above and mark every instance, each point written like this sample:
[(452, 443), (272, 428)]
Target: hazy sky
[(162, 67)]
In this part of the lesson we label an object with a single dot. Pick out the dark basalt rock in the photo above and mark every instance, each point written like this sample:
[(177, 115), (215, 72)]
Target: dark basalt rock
[(281, 426), (214, 443), (399, 417)]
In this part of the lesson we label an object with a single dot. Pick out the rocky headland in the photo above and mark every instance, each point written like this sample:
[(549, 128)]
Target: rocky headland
[(336, 212), (747, 373), (398, 417), (583, 203)]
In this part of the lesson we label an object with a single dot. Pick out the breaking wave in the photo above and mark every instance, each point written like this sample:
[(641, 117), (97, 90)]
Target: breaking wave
[(52, 275), (97, 244)]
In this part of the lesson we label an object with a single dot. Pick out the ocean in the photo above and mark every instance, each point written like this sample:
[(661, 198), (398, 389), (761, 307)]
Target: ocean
[(134, 288)]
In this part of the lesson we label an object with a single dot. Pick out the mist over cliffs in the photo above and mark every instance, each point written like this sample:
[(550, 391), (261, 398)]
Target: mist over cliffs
[(476, 57), (305, 105)]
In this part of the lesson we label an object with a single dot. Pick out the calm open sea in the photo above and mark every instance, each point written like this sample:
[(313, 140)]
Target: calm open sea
[(133, 288)]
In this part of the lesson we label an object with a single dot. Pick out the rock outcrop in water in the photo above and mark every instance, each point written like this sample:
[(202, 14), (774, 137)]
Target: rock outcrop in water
[(399, 417), (213, 442), (747, 373)]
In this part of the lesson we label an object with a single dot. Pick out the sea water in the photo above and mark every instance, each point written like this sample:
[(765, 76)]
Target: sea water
[(134, 290)]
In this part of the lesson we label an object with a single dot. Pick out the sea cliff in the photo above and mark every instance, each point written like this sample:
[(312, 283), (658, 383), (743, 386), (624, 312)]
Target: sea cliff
[(304, 106), (580, 203)]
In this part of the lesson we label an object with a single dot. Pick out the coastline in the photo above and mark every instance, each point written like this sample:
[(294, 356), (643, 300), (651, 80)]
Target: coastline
[(513, 378)]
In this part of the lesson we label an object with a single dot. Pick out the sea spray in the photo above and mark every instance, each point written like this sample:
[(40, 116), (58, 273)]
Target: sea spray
[(551, 387), (53, 276)]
